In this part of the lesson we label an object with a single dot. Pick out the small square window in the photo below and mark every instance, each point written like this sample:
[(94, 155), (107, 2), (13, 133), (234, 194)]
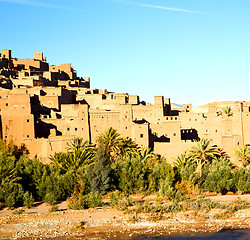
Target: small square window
[(174, 134), (28, 120), (141, 135), (75, 129), (68, 129), (7, 104), (28, 136)]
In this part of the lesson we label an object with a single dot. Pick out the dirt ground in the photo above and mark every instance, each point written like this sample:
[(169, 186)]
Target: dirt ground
[(108, 223)]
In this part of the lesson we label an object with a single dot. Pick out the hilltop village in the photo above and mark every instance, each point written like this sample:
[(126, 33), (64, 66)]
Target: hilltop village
[(45, 107)]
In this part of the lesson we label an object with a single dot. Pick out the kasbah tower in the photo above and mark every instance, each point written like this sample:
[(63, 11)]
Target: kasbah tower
[(45, 107)]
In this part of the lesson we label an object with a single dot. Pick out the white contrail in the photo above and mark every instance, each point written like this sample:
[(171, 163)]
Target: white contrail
[(160, 7)]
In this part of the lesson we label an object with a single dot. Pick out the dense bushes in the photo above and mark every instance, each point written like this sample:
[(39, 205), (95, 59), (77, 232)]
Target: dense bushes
[(85, 173)]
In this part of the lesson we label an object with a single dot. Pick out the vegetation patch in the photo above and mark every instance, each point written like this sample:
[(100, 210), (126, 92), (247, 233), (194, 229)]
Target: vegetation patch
[(116, 166)]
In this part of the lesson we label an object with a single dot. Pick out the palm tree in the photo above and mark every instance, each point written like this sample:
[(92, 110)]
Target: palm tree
[(79, 153), (146, 153), (60, 159), (110, 139), (243, 153), (205, 152), (219, 113), (126, 146), (228, 111), (185, 166), (8, 169), (116, 145), (182, 161)]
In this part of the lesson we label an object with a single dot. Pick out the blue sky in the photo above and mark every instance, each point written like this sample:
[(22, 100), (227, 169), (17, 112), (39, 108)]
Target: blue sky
[(193, 51)]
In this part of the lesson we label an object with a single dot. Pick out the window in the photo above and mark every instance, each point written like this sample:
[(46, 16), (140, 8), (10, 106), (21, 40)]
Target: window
[(141, 135), (68, 129), (175, 118), (28, 120), (174, 134), (28, 136), (75, 129), (7, 104)]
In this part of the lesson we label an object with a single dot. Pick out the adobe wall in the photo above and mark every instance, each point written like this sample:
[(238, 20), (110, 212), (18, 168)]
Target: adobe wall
[(168, 131), (101, 120), (140, 134), (48, 116), (44, 148), (31, 64), (17, 123), (171, 150)]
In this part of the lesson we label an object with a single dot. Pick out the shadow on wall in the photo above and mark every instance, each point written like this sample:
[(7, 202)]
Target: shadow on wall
[(154, 138), (189, 134), (43, 129)]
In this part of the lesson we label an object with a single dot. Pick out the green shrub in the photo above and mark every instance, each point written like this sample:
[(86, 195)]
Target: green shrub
[(162, 172), (11, 194), (28, 199), (132, 174), (54, 208), (19, 211), (115, 198), (90, 200), (166, 189), (94, 200), (50, 198), (99, 173), (241, 178), (219, 179)]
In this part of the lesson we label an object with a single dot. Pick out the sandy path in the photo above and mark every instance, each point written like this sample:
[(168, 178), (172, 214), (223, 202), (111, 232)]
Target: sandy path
[(230, 198), (104, 223)]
